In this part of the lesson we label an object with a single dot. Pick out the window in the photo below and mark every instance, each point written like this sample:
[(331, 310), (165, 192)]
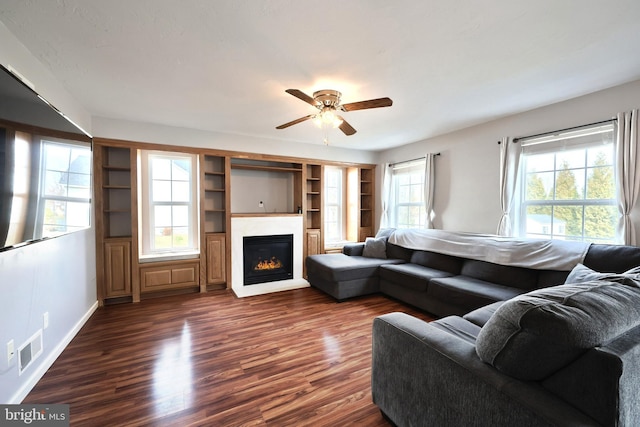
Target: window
[(568, 186), (169, 219), (334, 201), (407, 209), (65, 201)]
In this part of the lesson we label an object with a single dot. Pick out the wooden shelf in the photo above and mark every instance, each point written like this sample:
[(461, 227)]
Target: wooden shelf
[(116, 168), (116, 187), (265, 168)]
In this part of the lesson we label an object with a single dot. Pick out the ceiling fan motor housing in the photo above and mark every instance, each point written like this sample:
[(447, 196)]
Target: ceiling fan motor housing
[(327, 98)]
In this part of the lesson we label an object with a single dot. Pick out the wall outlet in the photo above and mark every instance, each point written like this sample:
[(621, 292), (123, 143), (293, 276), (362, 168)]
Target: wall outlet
[(45, 320), (11, 351), (260, 204)]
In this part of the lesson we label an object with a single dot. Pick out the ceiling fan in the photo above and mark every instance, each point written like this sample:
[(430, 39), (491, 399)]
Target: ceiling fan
[(328, 104)]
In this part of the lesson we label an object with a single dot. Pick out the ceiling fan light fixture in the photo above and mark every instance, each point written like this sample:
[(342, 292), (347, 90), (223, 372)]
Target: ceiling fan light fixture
[(327, 117)]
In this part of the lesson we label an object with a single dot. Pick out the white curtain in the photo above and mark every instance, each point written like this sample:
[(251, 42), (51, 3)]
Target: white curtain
[(385, 196), (628, 172), (429, 188), (509, 162)]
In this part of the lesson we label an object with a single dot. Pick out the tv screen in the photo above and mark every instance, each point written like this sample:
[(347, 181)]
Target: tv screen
[(45, 168)]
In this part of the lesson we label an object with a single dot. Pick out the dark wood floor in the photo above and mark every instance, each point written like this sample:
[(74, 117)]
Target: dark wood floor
[(293, 358)]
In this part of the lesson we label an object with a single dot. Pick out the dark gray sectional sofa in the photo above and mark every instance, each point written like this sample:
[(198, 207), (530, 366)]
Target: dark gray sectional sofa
[(513, 345), (443, 284)]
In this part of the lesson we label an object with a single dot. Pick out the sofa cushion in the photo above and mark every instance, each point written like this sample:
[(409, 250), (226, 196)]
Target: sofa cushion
[(533, 335), (411, 276), (481, 315), (516, 277), (341, 267), (375, 247), (456, 325), (469, 292), (582, 273), (438, 261)]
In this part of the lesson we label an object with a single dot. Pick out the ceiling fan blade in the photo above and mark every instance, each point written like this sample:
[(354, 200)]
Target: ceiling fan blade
[(295, 122), (372, 103), (303, 96), (346, 127)]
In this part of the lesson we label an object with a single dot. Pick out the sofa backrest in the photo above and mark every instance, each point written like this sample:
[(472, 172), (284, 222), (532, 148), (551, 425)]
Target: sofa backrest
[(515, 277), (442, 262), (612, 258), (398, 252)]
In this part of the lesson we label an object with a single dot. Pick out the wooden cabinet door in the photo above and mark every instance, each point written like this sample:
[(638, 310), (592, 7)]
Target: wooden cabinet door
[(313, 242), (216, 273), (117, 266)]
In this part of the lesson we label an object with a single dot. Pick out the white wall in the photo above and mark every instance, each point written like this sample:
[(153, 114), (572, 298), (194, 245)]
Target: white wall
[(56, 276), (144, 132), (274, 189), (467, 171)]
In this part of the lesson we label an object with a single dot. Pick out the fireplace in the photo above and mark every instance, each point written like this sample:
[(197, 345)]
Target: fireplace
[(267, 258)]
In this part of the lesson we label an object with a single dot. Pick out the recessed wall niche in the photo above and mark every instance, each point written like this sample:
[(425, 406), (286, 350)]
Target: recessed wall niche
[(271, 183)]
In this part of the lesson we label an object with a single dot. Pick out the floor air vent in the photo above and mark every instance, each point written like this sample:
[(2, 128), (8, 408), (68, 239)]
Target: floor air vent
[(29, 351)]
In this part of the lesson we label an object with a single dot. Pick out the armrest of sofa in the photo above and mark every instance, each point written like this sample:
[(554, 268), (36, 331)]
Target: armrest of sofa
[(353, 249), (422, 375)]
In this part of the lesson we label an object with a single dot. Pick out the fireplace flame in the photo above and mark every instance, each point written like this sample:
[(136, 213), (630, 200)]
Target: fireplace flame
[(271, 264)]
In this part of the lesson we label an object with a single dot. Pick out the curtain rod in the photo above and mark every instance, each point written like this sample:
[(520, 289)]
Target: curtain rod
[(411, 160), (613, 119)]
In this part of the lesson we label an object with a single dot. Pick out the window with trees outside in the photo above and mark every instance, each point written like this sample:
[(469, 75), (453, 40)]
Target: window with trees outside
[(169, 220), (407, 208), (568, 186)]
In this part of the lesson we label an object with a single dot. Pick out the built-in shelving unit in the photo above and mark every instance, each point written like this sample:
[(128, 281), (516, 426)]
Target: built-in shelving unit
[(116, 192), (313, 209), (214, 186), (121, 277), (214, 224), (367, 188), (314, 197), (116, 214)]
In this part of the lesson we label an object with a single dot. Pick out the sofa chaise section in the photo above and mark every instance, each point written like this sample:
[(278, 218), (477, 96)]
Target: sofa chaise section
[(343, 276)]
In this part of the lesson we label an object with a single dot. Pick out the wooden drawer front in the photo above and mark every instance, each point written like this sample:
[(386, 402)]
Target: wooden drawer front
[(169, 276)]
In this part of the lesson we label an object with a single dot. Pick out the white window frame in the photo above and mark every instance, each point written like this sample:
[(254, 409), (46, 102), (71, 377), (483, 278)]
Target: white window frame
[(575, 140), (415, 171), (339, 204), (146, 218), (42, 227)]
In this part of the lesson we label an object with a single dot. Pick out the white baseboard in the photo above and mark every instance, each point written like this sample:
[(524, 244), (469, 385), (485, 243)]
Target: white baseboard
[(53, 355)]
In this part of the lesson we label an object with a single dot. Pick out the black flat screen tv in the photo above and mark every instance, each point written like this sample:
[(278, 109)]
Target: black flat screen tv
[(45, 168)]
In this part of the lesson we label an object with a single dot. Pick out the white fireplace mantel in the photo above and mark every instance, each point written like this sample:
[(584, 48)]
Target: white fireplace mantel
[(256, 225)]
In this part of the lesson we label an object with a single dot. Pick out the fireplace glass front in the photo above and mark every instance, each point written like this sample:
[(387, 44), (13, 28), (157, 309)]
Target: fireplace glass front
[(267, 258)]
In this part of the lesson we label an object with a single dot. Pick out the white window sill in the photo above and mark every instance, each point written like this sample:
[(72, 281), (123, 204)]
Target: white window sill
[(171, 256)]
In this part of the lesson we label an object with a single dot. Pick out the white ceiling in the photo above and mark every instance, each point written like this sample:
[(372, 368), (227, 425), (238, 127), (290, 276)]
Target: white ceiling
[(224, 65)]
